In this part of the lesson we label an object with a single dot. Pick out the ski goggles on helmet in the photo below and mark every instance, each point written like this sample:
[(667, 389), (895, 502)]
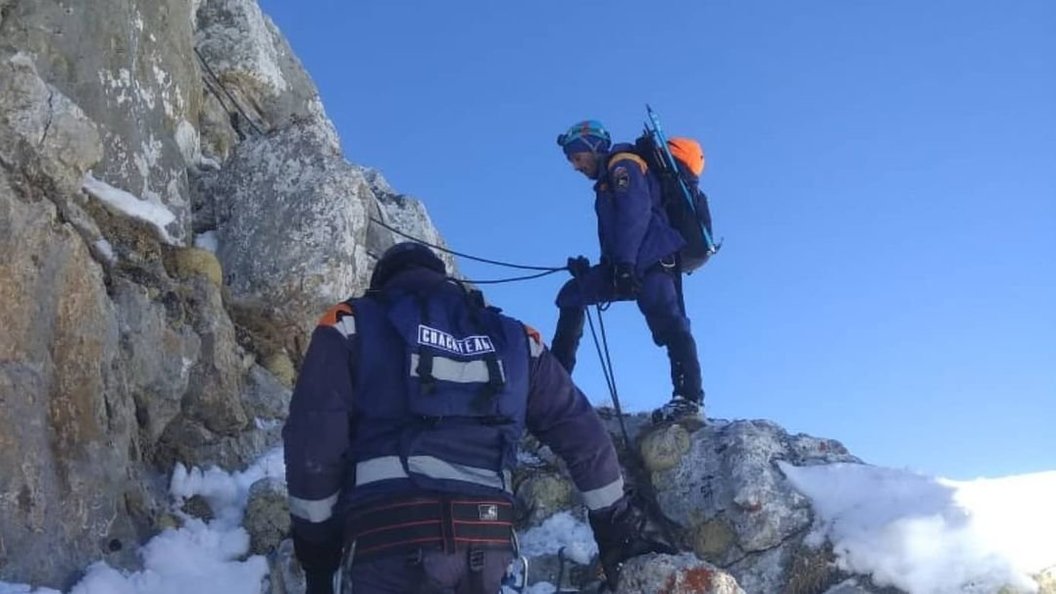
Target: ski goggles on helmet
[(590, 135)]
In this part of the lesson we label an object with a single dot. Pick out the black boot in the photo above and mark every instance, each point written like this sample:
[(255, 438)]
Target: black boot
[(687, 395), (566, 337), (685, 368)]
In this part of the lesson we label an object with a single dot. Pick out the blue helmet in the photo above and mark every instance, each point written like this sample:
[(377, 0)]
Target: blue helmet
[(401, 256), (586, 136)]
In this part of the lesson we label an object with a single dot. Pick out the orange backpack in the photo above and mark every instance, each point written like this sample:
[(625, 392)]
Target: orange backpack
[(679, 169)]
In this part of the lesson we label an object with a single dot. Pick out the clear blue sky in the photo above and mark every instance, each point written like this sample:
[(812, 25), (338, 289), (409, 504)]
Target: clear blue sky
[(883, 173)]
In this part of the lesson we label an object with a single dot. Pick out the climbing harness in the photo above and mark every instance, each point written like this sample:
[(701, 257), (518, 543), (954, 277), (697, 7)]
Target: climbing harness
[(513, 580)]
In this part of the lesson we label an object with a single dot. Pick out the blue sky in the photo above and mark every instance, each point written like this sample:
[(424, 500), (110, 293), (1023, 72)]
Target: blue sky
[(883, 174)]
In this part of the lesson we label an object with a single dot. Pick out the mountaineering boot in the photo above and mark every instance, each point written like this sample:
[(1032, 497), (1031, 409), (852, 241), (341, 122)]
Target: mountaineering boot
[(678, 409), (566, 336), (687, 395)]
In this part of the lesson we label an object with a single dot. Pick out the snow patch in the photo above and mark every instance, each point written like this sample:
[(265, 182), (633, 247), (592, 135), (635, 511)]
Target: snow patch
[(209, 163), (185, 368), (188, 140), (931, 535), (120, 82), (148, 157), (128, 204), (226, 493), (200, 557), (207, 241), (105, 250), (266, 424), (194, 14), (561, 530)]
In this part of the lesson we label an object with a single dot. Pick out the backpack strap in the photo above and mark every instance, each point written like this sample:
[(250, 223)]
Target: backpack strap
[(496, 377), (425, 356), (628, 156)]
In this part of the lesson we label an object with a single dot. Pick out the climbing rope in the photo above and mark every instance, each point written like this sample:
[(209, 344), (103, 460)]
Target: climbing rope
[(602, 347), (212, 82), (546, 269), (643, 480), (512, 279)]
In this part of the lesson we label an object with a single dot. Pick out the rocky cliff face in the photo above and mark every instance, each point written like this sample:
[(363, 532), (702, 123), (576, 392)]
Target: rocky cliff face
[(123, 346)]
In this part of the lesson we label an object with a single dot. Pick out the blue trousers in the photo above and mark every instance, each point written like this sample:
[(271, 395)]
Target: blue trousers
[(659, 301)]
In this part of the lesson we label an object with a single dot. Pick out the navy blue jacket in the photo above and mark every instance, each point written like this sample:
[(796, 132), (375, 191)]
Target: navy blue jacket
[(632, 225), (327, 413)]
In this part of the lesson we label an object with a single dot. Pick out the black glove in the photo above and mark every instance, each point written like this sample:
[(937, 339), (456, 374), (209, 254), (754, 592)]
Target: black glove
[(618, 532), (319, 582), (578, 266), (624, 282), (320, 560)]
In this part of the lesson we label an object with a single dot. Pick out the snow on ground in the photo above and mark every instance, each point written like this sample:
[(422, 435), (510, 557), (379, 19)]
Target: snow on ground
[(201, 557), (120, 200), (207, 241), (561, 530), (930, 535), (920, 534)]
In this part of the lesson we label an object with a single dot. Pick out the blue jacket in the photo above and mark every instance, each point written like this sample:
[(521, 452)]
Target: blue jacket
[(356, 407), (632, 224)]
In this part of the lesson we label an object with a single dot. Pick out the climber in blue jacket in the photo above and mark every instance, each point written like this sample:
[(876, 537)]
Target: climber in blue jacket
[(638, 261), (403, 434)]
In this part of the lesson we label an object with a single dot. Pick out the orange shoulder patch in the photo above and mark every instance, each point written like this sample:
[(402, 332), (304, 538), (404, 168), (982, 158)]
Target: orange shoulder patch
[(334, 314), (533, 334), (622, 157), (535, 341)]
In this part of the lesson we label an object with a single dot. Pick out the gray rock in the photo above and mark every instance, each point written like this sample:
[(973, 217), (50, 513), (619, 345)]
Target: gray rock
[(662, 449), (286, 575), (198, 507), (117, 355), (48, 138), (266, 399), (214, 394), (255, 65), (188, 440), (674, 574), (159, 355), (267, 516), (42, 130), (721, 485), (407, 215), (66, 425), (377, 182), (729, 475), (542, 493), (292, 222), (125, 63), (218, 135)]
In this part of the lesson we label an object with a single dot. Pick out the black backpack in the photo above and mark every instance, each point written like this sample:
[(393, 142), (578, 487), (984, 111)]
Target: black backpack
[(685, 203)]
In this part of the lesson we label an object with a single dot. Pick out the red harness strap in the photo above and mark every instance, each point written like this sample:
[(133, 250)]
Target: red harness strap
[(428, 522)]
